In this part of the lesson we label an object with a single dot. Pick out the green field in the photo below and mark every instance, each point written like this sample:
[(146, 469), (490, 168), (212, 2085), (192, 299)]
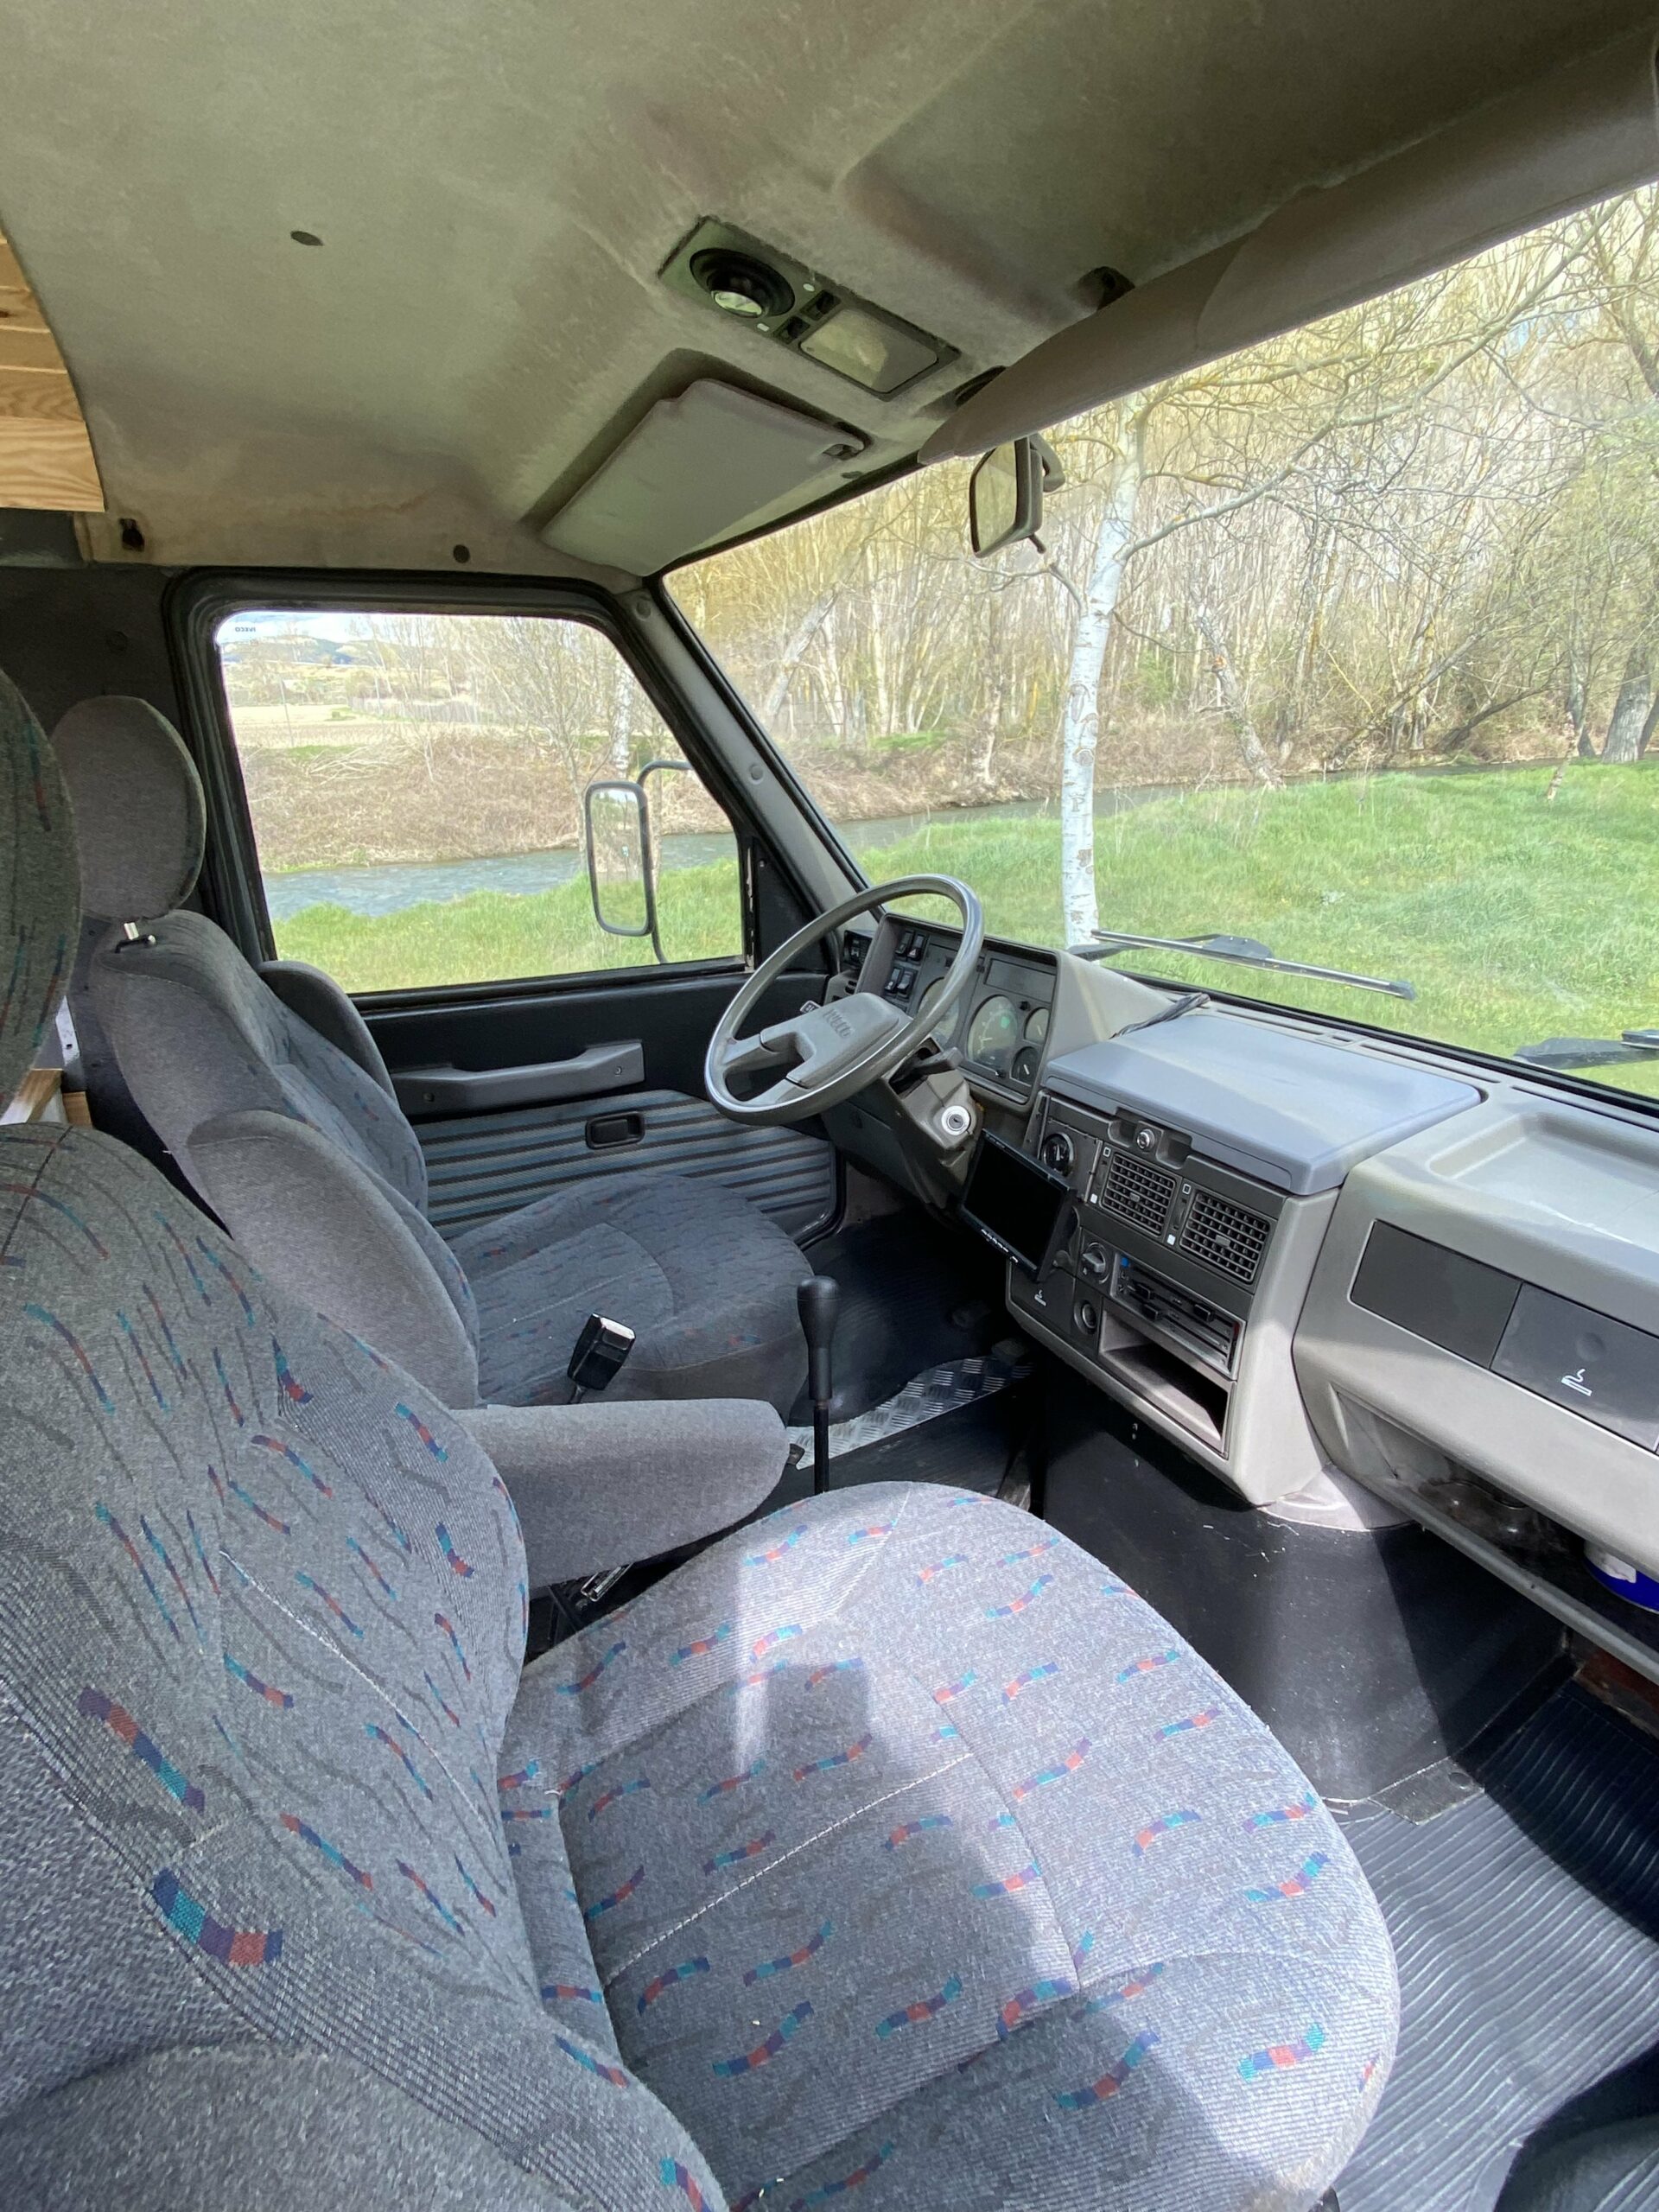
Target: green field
[(1516, 919)]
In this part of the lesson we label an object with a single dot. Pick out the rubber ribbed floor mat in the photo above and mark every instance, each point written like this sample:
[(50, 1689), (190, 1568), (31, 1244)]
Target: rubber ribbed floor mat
[(942, 1389), (1526, 1925)]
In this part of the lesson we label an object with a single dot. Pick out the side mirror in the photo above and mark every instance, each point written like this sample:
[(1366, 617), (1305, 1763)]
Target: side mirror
[(622, 876), (1005, 493), (622, 854)]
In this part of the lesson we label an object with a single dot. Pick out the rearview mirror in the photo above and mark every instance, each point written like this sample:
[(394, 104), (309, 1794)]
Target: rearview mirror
[(1004, 497), (1005, 494)]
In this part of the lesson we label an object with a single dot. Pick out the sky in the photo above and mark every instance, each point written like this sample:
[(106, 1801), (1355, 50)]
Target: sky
[(258, 622)]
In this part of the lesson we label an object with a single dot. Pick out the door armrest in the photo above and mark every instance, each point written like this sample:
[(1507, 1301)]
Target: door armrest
[(471, 1091)]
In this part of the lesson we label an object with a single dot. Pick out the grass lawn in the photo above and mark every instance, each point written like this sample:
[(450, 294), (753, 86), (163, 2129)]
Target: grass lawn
[(1516, 920)]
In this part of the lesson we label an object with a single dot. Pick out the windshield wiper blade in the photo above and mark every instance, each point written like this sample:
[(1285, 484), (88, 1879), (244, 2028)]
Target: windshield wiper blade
[(1248, 952), (1567, 1053)]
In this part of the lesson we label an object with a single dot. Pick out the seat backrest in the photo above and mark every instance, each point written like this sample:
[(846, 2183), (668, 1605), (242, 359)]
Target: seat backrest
[(203, 1041), (197, 1030), (262, 1615)]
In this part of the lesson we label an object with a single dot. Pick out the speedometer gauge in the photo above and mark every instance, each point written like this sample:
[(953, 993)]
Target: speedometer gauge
[(994, 1034)]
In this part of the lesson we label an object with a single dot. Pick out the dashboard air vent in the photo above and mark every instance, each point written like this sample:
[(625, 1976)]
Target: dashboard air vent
[(1138, 1191), (1225, 1237)]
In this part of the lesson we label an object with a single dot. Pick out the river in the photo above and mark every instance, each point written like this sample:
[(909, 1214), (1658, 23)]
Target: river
[(387, 889)]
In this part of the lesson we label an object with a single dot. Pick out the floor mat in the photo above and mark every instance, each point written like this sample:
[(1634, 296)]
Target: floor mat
[(1526, 1925), (913, 1295), (942, 1389)]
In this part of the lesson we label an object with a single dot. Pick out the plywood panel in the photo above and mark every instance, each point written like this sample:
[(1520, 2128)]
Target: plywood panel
[(45, 456)]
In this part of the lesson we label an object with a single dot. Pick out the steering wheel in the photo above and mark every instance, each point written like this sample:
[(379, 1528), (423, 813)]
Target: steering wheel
[(831, 1050)]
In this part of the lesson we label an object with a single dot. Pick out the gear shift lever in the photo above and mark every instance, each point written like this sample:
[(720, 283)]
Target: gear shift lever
[(819, 1301)]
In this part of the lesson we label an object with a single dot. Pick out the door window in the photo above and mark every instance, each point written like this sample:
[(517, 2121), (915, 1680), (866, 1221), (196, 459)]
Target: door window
[(419, 785)]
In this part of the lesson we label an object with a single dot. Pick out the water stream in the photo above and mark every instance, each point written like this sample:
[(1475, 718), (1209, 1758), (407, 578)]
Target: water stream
[(388, 888)]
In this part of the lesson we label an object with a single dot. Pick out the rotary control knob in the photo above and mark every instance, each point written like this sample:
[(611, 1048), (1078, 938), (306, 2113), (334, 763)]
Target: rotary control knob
[(1058, 1152), (1094, 1262)]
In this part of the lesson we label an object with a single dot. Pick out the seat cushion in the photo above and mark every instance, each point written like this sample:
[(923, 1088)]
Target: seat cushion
[(917, 1854), (705, 1280)]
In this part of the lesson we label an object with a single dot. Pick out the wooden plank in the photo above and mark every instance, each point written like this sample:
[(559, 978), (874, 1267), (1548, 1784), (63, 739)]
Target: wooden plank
[(20, 311), (37, 1098), (47, 464), (47, 395), (45, 456), (29, 349)]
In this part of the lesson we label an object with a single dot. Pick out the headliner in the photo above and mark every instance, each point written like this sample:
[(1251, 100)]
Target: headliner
[(496, 185)]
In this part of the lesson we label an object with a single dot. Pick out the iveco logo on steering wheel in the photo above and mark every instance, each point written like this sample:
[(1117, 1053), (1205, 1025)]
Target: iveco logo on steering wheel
[(838, 1022)]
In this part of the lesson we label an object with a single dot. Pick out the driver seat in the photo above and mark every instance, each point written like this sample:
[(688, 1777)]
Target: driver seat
[(279, 1111)]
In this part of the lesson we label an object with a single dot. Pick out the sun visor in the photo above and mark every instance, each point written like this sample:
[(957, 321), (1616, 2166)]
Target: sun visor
[(693, 471), (1583, 134)]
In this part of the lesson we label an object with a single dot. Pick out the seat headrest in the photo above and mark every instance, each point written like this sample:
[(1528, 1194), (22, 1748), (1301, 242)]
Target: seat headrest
[(39, 919), (139, 810)]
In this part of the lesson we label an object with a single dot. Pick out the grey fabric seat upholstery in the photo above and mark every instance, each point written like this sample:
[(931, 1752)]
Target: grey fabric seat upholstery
[(269, 1092), (891, 1851)]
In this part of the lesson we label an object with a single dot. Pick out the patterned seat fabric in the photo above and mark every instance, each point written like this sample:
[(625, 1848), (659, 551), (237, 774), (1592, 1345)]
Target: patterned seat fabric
[(289, 1128), (919, 1856), (890, 1848)]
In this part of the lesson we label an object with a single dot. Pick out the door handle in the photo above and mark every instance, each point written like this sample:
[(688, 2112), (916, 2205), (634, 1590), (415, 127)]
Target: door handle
[(450, 1089)]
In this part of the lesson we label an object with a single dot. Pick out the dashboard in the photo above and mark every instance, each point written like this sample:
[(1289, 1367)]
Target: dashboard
[(1361, 1279), (1304, 1252), (1000, 1027)]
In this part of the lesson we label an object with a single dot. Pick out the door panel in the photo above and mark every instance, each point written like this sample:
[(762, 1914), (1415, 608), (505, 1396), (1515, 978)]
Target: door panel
[(484, 1163), (481, 1165)]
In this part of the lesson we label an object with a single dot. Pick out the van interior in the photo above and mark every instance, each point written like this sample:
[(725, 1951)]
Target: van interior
[(830, 1031)]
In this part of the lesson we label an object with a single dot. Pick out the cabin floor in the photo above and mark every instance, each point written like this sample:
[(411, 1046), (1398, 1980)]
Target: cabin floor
[(1525, 1921)]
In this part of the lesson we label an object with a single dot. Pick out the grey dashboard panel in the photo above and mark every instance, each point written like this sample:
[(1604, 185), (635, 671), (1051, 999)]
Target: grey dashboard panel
[(1564, 1202), (1297, 1111)]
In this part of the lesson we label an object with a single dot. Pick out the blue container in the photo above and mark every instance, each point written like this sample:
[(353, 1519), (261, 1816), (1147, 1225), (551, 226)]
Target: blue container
[(1631, 1583)]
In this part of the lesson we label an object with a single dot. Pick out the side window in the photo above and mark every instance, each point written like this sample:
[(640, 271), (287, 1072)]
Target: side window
[(424, 789)]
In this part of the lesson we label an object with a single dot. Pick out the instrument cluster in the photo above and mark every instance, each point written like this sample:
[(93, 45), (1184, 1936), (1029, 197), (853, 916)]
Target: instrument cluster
[(1000, 1027)]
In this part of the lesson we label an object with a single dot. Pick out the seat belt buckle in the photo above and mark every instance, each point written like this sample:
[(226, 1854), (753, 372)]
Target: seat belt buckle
[(600, 1351)]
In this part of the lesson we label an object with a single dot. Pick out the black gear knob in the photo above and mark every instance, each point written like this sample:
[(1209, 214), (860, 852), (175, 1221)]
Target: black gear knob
[(819, 1301)]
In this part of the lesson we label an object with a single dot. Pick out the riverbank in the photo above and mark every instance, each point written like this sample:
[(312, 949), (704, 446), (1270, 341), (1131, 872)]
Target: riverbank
[(395, 794)]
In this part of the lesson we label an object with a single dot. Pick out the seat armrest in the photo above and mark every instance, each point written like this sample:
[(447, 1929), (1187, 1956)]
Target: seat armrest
[(598, 1486)]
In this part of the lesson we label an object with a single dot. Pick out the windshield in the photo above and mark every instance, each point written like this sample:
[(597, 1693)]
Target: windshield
[(1346, 645)]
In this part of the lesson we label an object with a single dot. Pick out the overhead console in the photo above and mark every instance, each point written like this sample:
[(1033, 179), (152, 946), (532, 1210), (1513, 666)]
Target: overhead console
[(1201, 1158)]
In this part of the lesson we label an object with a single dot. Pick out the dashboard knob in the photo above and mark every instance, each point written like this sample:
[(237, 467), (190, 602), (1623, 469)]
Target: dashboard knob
[(1094, 1262), (1058, 1152)]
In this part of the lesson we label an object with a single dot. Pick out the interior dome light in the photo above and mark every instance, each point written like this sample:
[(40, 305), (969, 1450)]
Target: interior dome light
[(739, 284)]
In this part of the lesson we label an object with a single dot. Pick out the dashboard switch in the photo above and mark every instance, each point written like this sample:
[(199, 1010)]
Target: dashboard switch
[(1595, 1366)]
